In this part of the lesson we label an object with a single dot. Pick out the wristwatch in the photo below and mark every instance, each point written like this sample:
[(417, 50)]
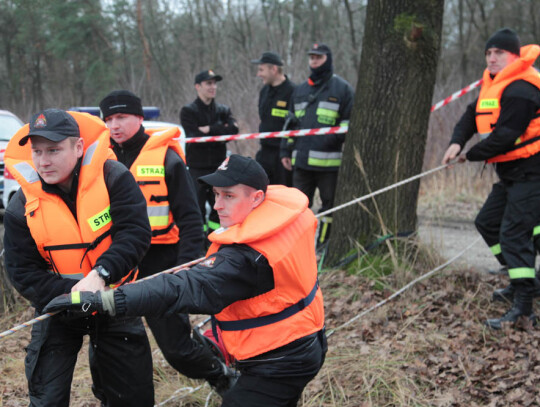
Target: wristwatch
[(104, 274)]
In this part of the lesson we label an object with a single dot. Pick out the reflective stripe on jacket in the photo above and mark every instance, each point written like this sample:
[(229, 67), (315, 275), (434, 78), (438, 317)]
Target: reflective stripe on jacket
[(71, 246), (282, 229), (488, 106), (149, 172), (331, 107)]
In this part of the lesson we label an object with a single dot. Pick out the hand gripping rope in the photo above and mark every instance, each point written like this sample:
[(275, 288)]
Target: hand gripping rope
[(50, 314)]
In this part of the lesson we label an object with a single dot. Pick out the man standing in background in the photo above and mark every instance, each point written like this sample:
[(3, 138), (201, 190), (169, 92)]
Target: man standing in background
[(274, 101), (205, 117), (324, 100)]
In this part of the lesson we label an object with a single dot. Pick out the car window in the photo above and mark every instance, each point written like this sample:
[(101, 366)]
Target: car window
[(8, 127)]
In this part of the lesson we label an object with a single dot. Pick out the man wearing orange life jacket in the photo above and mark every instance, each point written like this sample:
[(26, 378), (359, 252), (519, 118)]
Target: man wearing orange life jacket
[(77, 223), (507, 117), (157, 163), (259, 280)]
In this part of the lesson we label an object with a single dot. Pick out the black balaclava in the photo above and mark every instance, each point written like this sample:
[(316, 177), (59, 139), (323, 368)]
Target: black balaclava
[(323, 72)]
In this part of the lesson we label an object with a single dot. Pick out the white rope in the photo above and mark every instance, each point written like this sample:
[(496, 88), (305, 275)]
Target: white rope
[(405, 288), (189, 390), (380, 191)]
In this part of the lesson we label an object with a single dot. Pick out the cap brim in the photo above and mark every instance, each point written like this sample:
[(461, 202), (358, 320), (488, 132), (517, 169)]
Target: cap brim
[(257, 61), (316, 53), (49, 135), (216, 77), (217, 179)]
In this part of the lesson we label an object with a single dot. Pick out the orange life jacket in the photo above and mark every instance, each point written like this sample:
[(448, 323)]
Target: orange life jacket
[(70, 246), (488, 105), (282, 228), (149, 172)]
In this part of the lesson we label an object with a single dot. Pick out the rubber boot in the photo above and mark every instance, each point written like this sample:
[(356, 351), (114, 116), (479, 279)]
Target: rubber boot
[(521, 307), (507, 293)]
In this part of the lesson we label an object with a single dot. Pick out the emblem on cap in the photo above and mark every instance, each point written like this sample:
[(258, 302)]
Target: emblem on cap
[(41, 122), (210, 72), (315, 46), (223, 165)]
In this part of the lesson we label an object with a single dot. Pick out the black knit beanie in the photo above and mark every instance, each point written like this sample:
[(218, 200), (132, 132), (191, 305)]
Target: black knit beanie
[(120, 101), (506, 39)]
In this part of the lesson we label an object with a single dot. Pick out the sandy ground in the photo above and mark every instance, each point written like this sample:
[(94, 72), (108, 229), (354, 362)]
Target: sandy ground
[(452, 237)]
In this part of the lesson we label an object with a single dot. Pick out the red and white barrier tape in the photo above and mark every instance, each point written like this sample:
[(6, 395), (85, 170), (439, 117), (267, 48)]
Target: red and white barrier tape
[(270, 134), (456, 95), (315, 132)]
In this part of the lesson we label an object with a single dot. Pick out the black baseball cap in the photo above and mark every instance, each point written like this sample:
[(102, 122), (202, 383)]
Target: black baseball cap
[(206, 76), (268, 57), (237, 169), (319, 49), (53, 124), (120, 101), (506, 39)]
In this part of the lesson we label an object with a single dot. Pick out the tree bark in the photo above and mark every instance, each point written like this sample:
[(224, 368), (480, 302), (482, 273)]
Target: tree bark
[(389, 122)]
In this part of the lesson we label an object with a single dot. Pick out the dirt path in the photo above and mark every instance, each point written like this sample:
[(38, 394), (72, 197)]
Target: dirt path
[(451, 237)]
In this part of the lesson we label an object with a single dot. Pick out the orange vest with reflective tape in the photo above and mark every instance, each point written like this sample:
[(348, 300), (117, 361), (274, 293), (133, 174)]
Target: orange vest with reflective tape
[(282, 228), (70, 246), (149, 172), (488, 104)]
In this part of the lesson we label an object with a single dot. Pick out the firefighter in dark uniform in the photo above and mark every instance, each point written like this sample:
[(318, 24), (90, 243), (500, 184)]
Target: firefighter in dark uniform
[(507, 117), (259, 279), (77, 223), (273, 110), (154, 159), (205, 117), (324, 100)]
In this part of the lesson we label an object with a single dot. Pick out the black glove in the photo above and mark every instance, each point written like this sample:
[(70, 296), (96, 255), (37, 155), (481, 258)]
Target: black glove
[(77, 303)]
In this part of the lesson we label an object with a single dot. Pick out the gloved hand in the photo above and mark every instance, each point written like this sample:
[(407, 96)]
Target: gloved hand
[(81, 303)]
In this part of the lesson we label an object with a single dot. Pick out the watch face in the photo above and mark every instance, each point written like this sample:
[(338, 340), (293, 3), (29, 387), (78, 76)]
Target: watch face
[(104, 274)]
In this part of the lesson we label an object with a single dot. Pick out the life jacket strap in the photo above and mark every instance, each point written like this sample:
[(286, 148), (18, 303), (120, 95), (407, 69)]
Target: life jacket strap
[(251, 323), (160, 232)]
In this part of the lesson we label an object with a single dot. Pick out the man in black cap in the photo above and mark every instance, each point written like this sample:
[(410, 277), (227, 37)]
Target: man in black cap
[(324, 100), (274, 100), (77, 223), (205, 117), (259, 279), (506, 115), (154, 159)]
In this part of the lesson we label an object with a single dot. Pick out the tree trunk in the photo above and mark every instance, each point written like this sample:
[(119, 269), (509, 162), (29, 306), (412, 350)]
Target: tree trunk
[(389, 122)]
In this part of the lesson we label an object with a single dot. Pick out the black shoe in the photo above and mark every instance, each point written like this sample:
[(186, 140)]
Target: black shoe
[(506, 294), (512, 316), (503, 270), (521, 307)]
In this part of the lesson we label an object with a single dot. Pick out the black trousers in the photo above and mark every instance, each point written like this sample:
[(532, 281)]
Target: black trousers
[(119, 353), (269, 159), (205, 194), (507, 221), (326, 181), (267, 385)]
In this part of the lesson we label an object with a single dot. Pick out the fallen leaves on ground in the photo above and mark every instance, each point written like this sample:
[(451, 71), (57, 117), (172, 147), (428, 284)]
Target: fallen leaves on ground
[(428, 347)]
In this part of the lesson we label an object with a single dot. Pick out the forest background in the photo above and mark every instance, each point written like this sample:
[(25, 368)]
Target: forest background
[(58, 53)]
